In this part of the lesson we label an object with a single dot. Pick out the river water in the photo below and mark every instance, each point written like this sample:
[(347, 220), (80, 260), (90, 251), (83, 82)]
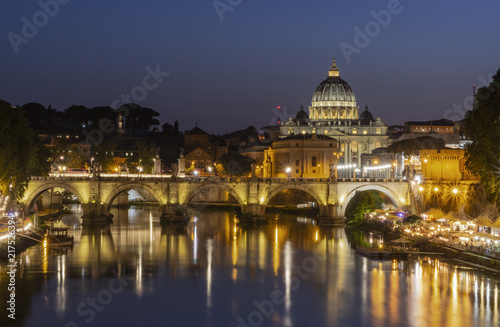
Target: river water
[(214, 272)]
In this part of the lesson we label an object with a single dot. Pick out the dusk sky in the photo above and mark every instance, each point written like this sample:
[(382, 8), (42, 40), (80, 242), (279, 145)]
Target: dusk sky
[(230, 69)]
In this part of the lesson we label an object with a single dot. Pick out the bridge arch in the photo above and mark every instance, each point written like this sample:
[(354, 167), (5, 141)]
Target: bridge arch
[(306, 189), (206, 187), (132, 186), (369, 187), (32, 196)]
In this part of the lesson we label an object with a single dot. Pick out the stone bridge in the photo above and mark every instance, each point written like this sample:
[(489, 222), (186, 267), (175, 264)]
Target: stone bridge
[(96, 193)]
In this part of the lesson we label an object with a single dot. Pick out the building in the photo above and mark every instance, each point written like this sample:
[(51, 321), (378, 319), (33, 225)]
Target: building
[(201, 152), (442, 129), (196, 147), (334, 113), (308, 155), (445, 165)]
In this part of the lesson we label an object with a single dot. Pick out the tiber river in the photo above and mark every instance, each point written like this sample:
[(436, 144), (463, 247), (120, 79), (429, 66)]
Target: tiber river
[(213, 272)]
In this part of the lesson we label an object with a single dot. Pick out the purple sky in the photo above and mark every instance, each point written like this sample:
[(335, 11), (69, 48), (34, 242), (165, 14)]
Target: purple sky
[(232, 73)]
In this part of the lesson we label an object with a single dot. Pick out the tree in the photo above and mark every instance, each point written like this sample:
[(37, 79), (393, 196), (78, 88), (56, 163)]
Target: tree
[(20, 155), (361, 204), (103, 155), (139, 118), (236, 164), (145, 155), (67, 154), (482, 126)]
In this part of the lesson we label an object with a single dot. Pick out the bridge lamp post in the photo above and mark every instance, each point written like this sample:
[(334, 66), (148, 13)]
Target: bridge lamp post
[(288, 171)]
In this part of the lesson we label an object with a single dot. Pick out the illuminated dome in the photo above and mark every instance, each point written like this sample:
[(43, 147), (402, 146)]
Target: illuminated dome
[(333, 98)]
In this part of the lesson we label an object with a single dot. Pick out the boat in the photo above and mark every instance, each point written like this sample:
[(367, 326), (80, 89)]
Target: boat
[(58, 237)]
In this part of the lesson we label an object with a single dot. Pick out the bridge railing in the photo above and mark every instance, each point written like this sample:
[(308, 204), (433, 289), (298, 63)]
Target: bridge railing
[(146, 177)]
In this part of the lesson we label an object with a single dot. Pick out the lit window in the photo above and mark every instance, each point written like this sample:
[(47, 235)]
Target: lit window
[(365, 132), (379, 131), (326, 132), (355, 131)]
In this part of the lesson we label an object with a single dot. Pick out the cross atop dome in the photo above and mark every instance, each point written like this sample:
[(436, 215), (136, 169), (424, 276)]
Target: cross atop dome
[(334, 71)]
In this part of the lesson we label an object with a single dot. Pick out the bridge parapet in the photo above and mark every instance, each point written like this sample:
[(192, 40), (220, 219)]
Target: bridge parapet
[(252, 194)]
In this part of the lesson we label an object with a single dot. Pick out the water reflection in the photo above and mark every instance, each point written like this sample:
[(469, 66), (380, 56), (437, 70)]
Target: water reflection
[(216, 272)]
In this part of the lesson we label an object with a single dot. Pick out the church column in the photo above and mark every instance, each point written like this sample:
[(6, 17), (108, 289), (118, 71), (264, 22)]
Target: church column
[(348, 152)]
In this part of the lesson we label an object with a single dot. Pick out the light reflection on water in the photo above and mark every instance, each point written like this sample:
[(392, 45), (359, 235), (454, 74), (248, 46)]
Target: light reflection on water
[(217, 273)]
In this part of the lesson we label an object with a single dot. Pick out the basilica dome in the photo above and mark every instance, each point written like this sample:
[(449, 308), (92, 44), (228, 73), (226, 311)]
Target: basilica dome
[(334, 89), (333, 99)]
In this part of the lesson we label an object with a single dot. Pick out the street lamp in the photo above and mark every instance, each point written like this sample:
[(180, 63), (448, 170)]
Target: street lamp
[(288, 171)]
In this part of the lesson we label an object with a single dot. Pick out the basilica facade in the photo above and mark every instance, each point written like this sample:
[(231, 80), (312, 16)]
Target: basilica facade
[(334, 118)]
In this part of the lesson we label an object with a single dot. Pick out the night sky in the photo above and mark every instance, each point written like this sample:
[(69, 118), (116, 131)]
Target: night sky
[(231, 73)]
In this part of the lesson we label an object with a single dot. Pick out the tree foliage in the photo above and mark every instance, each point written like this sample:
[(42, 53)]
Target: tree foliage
[(362, 203), (236, 164), (145, 155), (67, 154), (482, 126), (21, 155), (103, 155)]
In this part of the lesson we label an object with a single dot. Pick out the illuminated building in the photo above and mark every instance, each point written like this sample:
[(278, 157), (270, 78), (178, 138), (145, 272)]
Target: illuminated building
[(334, 113), (444, 164)]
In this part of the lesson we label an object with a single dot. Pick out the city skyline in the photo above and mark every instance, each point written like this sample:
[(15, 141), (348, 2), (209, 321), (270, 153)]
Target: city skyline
[(230, 66)]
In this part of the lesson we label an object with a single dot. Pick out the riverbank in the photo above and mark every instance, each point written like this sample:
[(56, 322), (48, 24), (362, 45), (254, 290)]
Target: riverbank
[(21, 244), (423, 244)]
